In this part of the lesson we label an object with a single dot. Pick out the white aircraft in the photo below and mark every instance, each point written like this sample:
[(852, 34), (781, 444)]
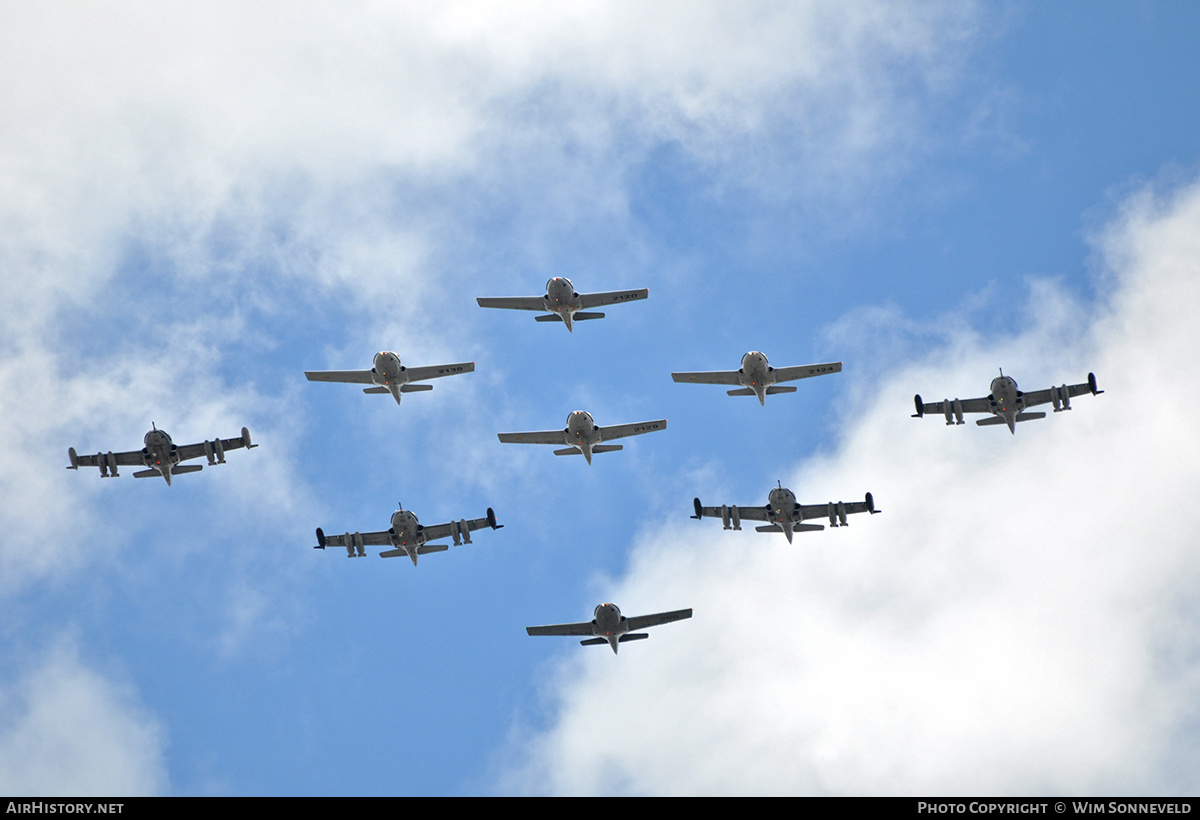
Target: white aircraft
[(756, 377), (562, 302), (390, 376), (406, 536), (610, 626), (581, 435), (784, 514), (1007, 403), (160, 455)]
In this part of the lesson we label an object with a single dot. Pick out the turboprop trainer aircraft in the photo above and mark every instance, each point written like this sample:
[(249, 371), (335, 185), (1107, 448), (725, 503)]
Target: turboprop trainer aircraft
[(757, 378), (562, 302), (610, 626), (389, 376), (784, 514), (161, 455), (581, 435), (1006, 403), (407, 536)]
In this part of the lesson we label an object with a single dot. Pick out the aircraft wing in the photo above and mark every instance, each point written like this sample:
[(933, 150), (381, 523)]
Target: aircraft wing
[(204, 448), (1035, 397), (968, 406), (808, 511), (437, 531), (804, 371), (131, 459), (643, 621), (513, 302), (612, 297), (346, 376), (635, 429), (744, 513), (538, 437), (369, 539), (417, 374), (709, 377), (585, 628)]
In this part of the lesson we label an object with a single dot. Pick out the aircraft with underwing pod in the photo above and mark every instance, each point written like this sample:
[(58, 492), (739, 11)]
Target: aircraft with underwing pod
[(389, 376), (407, 536), (610, 626), (563, 303), (1006, 403), (582, 435), (160, 455), (784, 514), (756, 377)]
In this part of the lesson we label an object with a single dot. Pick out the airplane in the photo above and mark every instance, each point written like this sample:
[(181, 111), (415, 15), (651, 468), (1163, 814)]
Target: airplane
[(1007, 403), (581, 435), (389, 376), (407, 536), (161, 455), (784, 514), (610, 626), (562, 302), (756, 377)]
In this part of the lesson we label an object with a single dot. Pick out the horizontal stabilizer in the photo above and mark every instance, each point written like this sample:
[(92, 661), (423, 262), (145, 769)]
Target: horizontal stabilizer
[(146, 473), (594, 642), (808, 527), (579, 317), (988, 422), (548, 317), (745, 391), (775, 388), (183, 468), (632, 636), (607, 448), (569, 451), (414, 388), (425, 549), (397, 553), (376, 390)]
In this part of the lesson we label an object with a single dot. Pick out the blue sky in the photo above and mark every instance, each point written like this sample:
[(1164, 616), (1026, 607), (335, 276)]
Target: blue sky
[(203, 204)]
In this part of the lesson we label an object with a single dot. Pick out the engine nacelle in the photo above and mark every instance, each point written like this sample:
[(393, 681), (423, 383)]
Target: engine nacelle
[(1064, 393), (112, 463), (947, 410), (725, 517), (465, 530), (219, 448), (841, 513), (320, 539), (958, 411), (736, 516), (831, 511), (208, 453)]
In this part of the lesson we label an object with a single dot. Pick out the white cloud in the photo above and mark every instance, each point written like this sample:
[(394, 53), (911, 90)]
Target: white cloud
[(1020, 619), (66, 729)]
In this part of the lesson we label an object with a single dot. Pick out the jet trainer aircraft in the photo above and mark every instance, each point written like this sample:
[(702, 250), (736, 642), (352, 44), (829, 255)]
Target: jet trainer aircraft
[(161, 455), (562, 302), (610, 626), (407, 536), (756, 377), (390, 376), (581, 435), (1007, 403), (784, 514)]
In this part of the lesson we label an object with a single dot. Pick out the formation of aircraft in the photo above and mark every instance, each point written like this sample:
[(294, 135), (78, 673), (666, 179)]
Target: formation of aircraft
[(583, 436), (160, 456), (563, 303), (756, 377), (784, 515), (1006, 403), (610, 627), (390, 376), (407, 536)]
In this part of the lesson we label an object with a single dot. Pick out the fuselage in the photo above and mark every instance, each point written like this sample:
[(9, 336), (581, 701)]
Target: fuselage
[(757, 374), (388, 372), (406, 533), (160, 453), (782, 505), (608, 623), (582, 432), (562, 299), (1006, 400)]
